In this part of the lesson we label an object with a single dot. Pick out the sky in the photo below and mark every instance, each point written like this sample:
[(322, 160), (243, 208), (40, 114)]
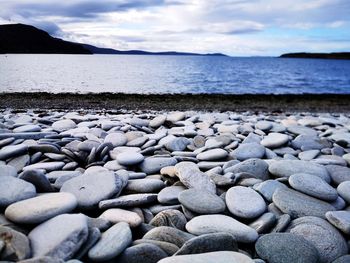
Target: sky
[(233, 27)]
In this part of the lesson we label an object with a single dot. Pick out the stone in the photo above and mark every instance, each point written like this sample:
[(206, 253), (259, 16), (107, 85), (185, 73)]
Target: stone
[(275, 140), (116, 139), (329, 243), (13, 190), (298, 130), (313, 185), (171, 218), (27, 128), (116, 215), (342, 259), (19, 162), (48, 167), (128, 201), (298, 205), (169, 195), (130, 158), (60, 237), (15, 245), (11, 151), (307, 142), (244, 202), (38, 179), (308, 155), (256, 167), (94, 236), (157, 121), (168, 234), (177, 144), (41, 208), (344, 190), (63, 125), (267, 188), (201, 202), (248, 150), (167, 247), (112, 243), (146, 253), (209, 243), (286, 248), (45, 260), (282, 223), (206, 224), (147, 185), (212, 155), (152, 165), (264, 125), (264, 223), (211, 257), (7, 170), (338, 173), (340, 219)]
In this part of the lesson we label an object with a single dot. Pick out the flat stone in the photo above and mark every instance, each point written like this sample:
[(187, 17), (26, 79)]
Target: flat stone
[(54, 175), (13, 190), (177, 144), (94, 236), (248, 150), (340, 219), (48, 167), (207, 224), (169, 195), (45, 260), (170, 217), (338, 173), (116, 215), (7, 170), (264, 223), (282, 223), (244, 202), (146, 253), (116, 139), (342, 259), (297, 204), (275, 140), (308, 155), (212, 155), (63, 125), (307, 142), (41, 208), (157, 121), (313, 185), (112, 243), (285, 168), (90, 189), (256, 167), (344, 190), (211, 257), (27, 128), (15, 245), (60, 237), (11, 151), (130, 158), (168, 234), (167, 247), (38, 179), (298, 130), (128, 201), (26, 135), (268, 187), (286, 248), (147, 185), (201, 202), (152, 165), (20, 162), (329, 243), (264, 125)]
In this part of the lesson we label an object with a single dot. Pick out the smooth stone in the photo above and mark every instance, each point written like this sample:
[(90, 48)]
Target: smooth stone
[(211, 257), (201, 202), (274, 140), (8, 170), (26, 135), (308, 155), (212, 155), (152, 165), (54, 175), (144, 185), (268, 187), (128, 201), (38, 179), (27, 128), (344, 191), (244, 202), (346, 157), (145, 253), (298, 130), (60, 237), (342, 259), (157, 121), (313, 185), (45, 260), (338, 173), (94, 236), (171, 218), (13, 190), (90, 189), (307, 142), (116, 139), (256, 167), (41, 208), (285, 168), (48, 167), (112, 243), (88, 145), (248, 150), (286, 248), (63, 125), (177, 144), (340, 219), (282, 223), (15, 245), (190, 175), (168, 234), (206, 224), (264, 125), (11, 151), (169, 248), (20, 162), (264, 223), (169, 195), (130, 158), (209, 243), (64, 178), (298, 205), (326, 238), (116, 215)]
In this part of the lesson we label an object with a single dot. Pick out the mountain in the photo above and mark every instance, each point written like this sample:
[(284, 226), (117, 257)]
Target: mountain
[(339, 55), (19, 38)]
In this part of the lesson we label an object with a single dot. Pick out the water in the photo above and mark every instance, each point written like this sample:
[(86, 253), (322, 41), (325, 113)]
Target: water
[(171, 74)]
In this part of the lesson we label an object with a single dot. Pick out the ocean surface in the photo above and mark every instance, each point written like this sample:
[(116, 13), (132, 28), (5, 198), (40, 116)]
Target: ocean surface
[(172, 74)]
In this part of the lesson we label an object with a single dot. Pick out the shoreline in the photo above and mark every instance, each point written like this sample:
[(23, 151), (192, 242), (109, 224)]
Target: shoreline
[(205, 102)]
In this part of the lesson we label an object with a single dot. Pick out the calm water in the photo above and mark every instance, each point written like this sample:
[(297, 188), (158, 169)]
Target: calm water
[(171, 74)]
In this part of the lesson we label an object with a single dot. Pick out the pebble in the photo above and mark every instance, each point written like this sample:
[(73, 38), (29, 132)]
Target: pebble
[(275, 140), (170, 217), (38, 179), (116, 215), (248, 150), (128, 201), (338, 173), (169, 195), (344, 190), (15, 245), (147, 185), (256, 167), (63, 125), (212, 155), (7, 170), (153, 165), (13, 190), (340, 219), (146, 253), (168, 234), (177, 144), (48, 167), (11, 151), (268, 188), (130, 158)]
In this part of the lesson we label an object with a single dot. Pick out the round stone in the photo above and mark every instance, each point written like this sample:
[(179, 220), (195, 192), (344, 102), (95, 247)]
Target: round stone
[(13, 190), (268, 187), (63, 125), (256, 167), (10, 151), (264, 125), (48, 167), (249, 150), (146, 253), (244, 202), (298, 129), (28, 128), (7, 170), (116, 139), (177, 144), (202, 202), (274, 140), (344, 190), (169, 195), (168, 234), (14, 246), (338, 173), (130, 158), (170, 217), (212, 155), (153, 165), (147, 185), (128, 201), (340, 219), (116, 215), (157, 121), (38, 179), (307, 142)]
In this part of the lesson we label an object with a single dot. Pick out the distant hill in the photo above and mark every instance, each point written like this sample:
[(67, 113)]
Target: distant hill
[(339, 55), (26, 39)]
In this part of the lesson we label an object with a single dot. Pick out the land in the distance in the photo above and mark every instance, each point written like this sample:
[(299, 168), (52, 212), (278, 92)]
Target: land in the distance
[(338, 55)]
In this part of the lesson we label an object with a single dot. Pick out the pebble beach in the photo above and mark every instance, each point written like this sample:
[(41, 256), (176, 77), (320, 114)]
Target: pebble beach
[(172, 186)]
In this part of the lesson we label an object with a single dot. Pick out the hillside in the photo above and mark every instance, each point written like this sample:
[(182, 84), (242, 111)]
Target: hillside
[(339, 55)]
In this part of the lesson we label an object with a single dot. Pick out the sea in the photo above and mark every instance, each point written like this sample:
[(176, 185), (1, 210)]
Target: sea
[(152, 74)]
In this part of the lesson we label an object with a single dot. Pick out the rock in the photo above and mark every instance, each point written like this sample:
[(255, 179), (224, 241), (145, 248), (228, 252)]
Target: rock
[(45, 260), (286, 248), (48, 167), (307, 142), (60, 237), (38, 179), (15, 245), (13, 190), (275, 140), (264, 223), (63, 125), (211, 257), (157, 121), (298, 205), (177, 144), (338, 173), (116, 139), (313, 185), (192, 177), (264, 125), (144, 186), (285, 168), (19, 162), (212, 155), (152, 165), (112, 243), (7, 170), (90, 189), (168, 234), (116, 215), (282, 223), (168, 248), (342, 259), (171, 218), (298, 130), (41, 208), (329, 243), (256, 167), (244, 202), (146, 253), (268, 187), (248, 150), (27, 128), (94, 236), (308, 155), (130, 158), (201, 202), (11, 151), (169, 195), (340, 219), (207, 224), (209, 243), (129, 201), (344, 190)]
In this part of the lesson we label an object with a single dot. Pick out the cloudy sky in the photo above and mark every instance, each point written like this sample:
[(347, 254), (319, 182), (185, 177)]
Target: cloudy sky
[(234, 27)]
